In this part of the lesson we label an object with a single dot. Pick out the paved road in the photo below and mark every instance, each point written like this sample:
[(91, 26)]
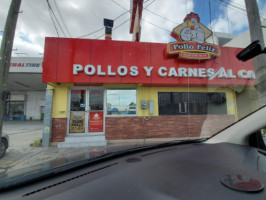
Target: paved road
[(22, 133), (20, 154)]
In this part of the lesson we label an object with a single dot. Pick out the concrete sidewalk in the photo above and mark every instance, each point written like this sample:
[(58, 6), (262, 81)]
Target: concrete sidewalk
[(20, 154), (22, 133)]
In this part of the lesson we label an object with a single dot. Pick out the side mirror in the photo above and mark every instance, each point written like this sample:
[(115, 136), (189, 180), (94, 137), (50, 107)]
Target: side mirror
[(250, 51)]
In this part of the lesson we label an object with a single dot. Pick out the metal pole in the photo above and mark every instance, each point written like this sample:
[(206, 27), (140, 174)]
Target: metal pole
[(259, 61), (47, 123), (5, 54)]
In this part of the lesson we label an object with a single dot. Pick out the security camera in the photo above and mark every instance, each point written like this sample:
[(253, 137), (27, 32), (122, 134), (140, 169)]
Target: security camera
[(251, 51)]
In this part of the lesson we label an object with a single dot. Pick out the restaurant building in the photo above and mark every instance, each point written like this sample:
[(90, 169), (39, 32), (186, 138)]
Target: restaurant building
[(105, 91)]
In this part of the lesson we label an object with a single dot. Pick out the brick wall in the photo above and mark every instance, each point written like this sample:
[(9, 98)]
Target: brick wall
[(59, 129), (117, 128)]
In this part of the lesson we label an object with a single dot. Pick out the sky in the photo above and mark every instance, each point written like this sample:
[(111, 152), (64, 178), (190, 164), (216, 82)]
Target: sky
[(78, 18)]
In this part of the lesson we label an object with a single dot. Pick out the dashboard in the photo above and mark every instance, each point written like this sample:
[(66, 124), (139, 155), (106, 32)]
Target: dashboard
[(186, 171)]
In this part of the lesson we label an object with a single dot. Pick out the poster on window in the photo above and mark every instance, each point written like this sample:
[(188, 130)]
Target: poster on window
[(96, 122), (77, 122)]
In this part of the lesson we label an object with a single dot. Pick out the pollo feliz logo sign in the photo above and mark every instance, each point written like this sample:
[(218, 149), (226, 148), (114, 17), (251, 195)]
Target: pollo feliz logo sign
[(191, 36), (162, 71)]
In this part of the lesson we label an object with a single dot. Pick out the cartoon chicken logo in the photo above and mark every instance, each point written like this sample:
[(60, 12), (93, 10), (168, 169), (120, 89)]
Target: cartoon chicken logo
[(191, 30)]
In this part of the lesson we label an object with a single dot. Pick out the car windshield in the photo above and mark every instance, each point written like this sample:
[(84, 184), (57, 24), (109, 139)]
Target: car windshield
[(86, 78)]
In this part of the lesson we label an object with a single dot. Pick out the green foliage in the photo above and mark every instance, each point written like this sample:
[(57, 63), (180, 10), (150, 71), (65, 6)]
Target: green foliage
[(37, 143)]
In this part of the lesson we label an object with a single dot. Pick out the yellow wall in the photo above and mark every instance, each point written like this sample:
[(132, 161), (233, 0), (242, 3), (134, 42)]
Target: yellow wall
[(60, 99), (151, 93)]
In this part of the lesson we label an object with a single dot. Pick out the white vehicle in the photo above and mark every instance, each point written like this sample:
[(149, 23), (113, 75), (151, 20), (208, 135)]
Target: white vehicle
[(4, 144)]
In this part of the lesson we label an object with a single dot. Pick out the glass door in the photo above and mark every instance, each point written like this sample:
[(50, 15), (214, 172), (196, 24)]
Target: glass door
[(86, 111), (77, 111), (96, 111)]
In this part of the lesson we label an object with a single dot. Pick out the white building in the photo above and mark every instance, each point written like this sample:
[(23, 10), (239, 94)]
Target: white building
[(243, 40), (27, 92), (246, 95)]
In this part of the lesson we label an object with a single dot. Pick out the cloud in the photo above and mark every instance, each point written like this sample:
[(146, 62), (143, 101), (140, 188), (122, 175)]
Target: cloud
[(262, 5), (81, 17), (34, 23), (232, 18), (173, 10)]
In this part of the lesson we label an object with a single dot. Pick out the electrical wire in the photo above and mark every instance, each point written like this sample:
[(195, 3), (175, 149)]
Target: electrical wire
[(235, 6), (115, 28), (127, 20), (103, 27), (53, 15), (91, 33), (232, 7), (156, 25), (145, 9), (119, 5), (149, 4), (210, 12), (62, 19)]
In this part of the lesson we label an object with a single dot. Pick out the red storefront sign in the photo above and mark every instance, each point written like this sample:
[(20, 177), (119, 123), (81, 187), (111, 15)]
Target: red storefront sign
[(101, 61), (191, 38), (193, 50), (96, 122)]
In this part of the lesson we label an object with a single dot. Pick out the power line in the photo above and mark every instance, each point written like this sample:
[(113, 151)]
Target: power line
[(91, 33), (52, 14), (156, 25), (63, 21), (114, 20), (119, 5), (145, 8), (231, 6), (161, 16), (149, 4), (210, 12), (115, 27), (122, 22), (235, 6)]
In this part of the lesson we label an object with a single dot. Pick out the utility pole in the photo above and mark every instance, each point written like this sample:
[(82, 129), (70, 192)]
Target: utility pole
[(5, 54), (259, 61)]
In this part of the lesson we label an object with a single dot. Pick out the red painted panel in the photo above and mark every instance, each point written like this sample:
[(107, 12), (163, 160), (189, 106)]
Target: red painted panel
[(237, 65), (136, 54), (107, 57), (74, 51), (50, 60), (159, 58), (104, 53)]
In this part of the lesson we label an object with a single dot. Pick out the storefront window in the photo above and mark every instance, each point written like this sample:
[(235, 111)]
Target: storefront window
[(14, 108), (77, 100), (121, 102), (193, 103), (77, 111), (96, 100)]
